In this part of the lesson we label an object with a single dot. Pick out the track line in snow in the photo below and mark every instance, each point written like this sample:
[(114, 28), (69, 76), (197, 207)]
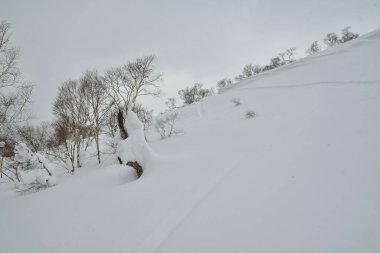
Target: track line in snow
[(159, 235)]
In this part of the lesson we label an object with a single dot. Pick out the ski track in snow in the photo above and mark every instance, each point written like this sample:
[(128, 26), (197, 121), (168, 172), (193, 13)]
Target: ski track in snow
[(162, 232)]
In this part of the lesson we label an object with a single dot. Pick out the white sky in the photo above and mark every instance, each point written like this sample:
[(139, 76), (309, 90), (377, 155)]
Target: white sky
[(195, 41)]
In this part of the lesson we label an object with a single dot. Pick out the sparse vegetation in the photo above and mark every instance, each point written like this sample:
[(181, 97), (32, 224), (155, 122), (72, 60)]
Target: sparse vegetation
[(236, 101), (194, 94), (165, 125), (250, 114)]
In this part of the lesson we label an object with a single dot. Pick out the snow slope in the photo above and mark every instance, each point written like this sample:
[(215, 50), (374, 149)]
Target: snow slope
[(302, 176)]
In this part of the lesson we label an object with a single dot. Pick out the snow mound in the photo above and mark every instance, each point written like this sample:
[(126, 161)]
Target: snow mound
[(33, 167), (134, 148)]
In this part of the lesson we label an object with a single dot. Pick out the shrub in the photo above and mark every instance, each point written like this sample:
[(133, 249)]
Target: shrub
[(194, 94), (165, 125), (236, 101), (250, 114)]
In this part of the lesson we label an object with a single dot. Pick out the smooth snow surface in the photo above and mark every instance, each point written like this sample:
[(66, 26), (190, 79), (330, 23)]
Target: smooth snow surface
[(301, 176)]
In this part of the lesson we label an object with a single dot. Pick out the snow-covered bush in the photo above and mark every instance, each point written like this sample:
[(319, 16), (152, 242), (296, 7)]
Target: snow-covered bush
[(224, 84), (165, 125), (32, 170)]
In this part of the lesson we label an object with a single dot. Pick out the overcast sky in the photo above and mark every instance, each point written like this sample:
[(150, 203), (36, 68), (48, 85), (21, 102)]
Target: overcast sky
[(195, 41)]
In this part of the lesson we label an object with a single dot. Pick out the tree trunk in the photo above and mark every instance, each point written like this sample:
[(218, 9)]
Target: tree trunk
[(78, 144), (124, 135), (17, 172), (1, 167), (137, 167), (70, 156), (97, 147), (120, 121), (97, 129), (44, 166)]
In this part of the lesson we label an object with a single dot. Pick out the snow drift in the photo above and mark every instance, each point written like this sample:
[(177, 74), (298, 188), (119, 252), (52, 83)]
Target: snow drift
[(134, 148)]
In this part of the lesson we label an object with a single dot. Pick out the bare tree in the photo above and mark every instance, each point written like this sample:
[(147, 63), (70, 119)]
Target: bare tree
[(290, 53), (125, 84), (144, 80), (275, 62), (144, 115), (60, 146), (165, 125), (73, 112), (347, 35), (171, 103), (331, 40), (248, 71), (9, 72), (194, 94), (314, 48), (224, 84), (38, 137), (15, 95), (94, 91), (287, 56)]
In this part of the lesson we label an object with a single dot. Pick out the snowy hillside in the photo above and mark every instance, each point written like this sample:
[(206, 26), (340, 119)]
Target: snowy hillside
[(301, 176)]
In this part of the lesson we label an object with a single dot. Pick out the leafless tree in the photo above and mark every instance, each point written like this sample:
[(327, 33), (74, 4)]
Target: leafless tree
[(95, 94), (60, 144), (171, 103), (314, 48), (15, 95), (275, 62), (73, 112), (287, 56), (290, 53), (331, 40), (347, 35), (224, 84), (194, 94), (37, 137), (9, 72), (128, 82), (165, 125), (144, 115), (248, 71)]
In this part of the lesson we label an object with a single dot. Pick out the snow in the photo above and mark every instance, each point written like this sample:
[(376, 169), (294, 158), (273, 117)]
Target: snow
[(22, 153), (31, 168), (301, 176), (135, 147)]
